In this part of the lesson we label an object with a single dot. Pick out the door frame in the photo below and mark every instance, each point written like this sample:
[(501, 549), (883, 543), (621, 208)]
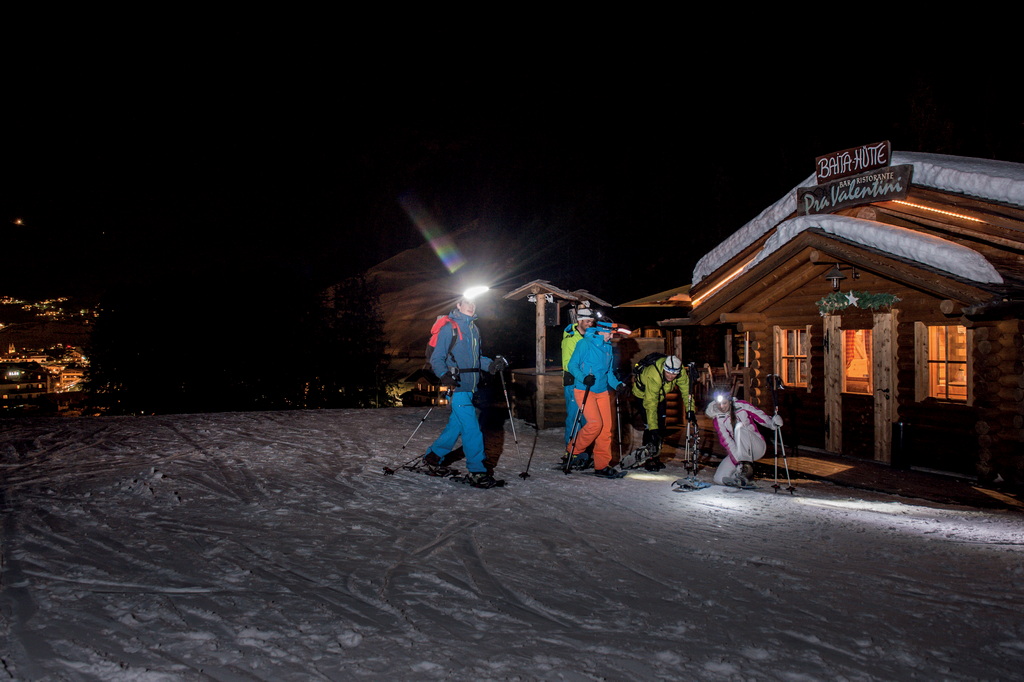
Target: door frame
[(884, 387)]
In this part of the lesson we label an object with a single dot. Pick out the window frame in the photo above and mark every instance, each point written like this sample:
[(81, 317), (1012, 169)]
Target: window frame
[(781, 356), (923, 364), (869, 362)]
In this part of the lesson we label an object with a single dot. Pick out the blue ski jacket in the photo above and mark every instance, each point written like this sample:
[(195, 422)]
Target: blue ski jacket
[(593, 355), (465, 354)]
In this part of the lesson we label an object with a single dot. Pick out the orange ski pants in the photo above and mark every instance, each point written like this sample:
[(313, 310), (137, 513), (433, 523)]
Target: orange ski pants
[(598, 429)]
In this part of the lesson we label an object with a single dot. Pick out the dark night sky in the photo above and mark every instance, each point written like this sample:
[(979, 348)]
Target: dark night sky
[(627, 177)]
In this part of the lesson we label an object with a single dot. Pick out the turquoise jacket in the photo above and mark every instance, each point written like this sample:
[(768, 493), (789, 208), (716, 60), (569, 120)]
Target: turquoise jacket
[(593, 355)]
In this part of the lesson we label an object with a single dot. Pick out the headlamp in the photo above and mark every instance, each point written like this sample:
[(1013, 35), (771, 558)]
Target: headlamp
[(473, 292)]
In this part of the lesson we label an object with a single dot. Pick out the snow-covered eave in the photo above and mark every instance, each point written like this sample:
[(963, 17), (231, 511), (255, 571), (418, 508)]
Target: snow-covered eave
[(928, 250), (998, 181)]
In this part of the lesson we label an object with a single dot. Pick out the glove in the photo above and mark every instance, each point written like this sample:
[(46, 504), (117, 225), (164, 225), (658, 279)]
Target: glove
[(589, 380), (653, 437), (621, 389), (777, 421), (498, 364), (568, 379), (691, 416), (451, 378)]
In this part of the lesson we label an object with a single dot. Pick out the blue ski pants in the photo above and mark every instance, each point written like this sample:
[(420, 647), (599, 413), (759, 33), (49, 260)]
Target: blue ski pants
[(571, 408), (462, 423)]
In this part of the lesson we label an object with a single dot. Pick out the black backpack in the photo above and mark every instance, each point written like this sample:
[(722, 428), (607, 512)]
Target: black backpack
[(643, 364)]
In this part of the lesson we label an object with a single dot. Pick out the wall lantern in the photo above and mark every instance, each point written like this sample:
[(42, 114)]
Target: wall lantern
[(835, 275)]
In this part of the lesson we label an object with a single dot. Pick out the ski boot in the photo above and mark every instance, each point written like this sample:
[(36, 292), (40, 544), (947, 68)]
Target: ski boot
[(482, 479), (654, 464), (434, 466)]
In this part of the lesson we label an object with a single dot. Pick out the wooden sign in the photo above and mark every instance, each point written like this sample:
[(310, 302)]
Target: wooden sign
[(852, 161), (880, 185)]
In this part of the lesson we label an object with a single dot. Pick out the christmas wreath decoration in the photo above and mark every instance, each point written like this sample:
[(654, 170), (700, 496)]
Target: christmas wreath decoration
[(866, 300)]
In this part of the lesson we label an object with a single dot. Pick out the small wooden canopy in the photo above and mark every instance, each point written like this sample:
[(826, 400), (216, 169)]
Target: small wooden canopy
[(672, 298), (540, 290), (540, 286)]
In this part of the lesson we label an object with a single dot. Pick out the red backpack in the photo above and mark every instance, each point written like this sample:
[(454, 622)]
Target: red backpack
[(439, 323)]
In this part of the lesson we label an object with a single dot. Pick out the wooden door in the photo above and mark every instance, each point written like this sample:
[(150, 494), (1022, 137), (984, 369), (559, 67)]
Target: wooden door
[(884, 356), (869, 418)]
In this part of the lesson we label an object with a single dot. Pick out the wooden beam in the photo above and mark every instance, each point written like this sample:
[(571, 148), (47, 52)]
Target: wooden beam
[(906, 216), (899, 271), (741, 317), (793, 283)]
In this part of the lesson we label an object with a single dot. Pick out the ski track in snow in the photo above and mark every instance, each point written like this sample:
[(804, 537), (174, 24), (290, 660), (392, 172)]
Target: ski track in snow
[(270, 546)]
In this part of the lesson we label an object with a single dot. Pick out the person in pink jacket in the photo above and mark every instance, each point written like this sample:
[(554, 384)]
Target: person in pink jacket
[(736, 423)]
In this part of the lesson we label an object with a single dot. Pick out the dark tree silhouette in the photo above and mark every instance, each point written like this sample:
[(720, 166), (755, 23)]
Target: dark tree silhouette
[(348, 362)]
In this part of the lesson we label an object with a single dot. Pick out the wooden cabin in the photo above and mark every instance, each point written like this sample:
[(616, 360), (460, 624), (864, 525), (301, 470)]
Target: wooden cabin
[(895, 321)]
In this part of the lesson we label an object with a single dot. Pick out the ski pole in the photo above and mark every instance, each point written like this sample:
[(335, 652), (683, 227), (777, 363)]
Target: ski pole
[(618, 424), (388, 471), (691, 426), (779, 445), (691, 447), (575, 432), (775, 385), (772, 380)]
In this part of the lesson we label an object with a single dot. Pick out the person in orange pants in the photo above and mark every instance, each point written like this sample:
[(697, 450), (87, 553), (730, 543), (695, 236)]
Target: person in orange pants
[(592, 366)]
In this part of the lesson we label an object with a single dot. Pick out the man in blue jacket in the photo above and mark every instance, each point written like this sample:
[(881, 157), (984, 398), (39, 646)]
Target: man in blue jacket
[(457, 361)]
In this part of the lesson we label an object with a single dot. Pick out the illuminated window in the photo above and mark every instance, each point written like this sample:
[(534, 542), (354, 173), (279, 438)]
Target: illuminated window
[(947, 363), (792, 352), (857, 361)]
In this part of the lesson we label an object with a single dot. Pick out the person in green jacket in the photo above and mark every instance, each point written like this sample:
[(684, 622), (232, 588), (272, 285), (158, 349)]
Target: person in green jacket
[(570, 337), (649, 403)]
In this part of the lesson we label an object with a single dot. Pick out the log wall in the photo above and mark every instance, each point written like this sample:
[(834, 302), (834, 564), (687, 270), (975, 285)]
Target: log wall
[(985, 438)]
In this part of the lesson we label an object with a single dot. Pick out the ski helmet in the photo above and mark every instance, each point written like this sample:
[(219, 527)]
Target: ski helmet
[(673, 365)]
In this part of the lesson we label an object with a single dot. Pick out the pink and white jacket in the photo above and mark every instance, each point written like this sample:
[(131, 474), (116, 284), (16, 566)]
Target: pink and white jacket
[(742, 442)]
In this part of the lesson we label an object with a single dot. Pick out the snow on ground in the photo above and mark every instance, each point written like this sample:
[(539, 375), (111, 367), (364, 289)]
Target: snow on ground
[(270, 546)]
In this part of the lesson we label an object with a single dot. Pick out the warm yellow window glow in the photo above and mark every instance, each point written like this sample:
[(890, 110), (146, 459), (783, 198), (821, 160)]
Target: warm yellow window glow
[(857, 364), (947, 363), (793, 361)]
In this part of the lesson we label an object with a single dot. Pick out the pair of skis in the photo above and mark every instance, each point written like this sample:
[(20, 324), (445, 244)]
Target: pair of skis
[(692, 445), (418, 465)]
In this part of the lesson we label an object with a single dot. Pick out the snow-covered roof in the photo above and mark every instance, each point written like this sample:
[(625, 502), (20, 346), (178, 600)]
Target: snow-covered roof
[(1001, 181), (902, 242)]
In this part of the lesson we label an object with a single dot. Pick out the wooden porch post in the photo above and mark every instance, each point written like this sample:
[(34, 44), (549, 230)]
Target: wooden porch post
[(540, 359), (833, 383)]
